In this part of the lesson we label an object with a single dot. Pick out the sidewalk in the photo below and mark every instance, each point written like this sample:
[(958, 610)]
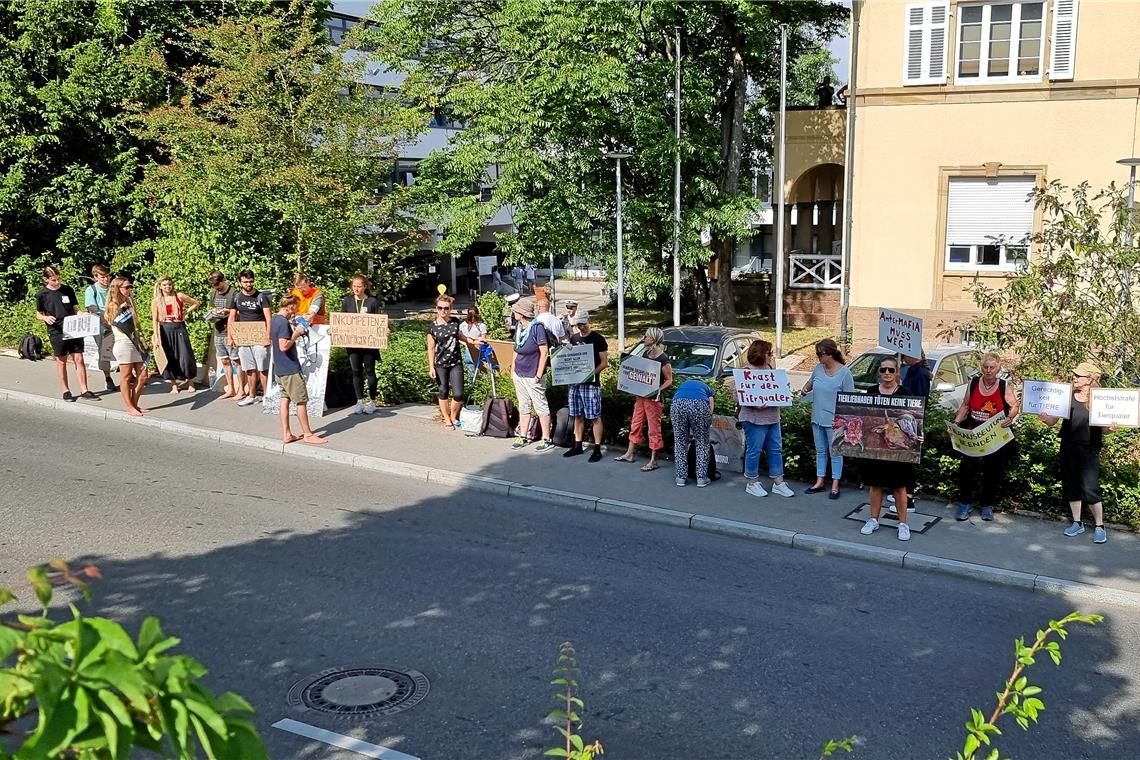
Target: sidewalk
[(406, 440)]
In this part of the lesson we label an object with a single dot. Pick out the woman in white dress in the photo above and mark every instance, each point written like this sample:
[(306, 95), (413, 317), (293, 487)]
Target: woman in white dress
[(129, 348)]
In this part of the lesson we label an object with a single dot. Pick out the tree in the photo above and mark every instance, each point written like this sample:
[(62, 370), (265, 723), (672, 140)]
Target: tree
[(544, 87)]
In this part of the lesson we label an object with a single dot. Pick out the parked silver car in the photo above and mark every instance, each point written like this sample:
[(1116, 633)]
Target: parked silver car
[(951, 368), (704, 352)]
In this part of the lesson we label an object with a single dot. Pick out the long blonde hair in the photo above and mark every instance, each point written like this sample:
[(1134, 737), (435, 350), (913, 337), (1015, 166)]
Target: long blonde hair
[(116, 302)]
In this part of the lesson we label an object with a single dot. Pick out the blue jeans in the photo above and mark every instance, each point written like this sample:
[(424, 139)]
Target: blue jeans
[(822, 437), (758, 438)]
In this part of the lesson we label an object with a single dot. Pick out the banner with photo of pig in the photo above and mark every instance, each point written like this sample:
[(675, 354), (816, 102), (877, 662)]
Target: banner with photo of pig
[(870, 426)]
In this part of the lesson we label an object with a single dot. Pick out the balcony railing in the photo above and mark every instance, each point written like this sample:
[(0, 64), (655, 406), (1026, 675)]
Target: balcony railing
[(815, 271)]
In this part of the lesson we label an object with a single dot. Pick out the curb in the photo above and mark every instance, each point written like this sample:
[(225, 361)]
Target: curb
[(1075, 591)]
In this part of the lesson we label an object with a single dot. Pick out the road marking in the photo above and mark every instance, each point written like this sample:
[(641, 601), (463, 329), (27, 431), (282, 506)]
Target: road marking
[(340, 740)]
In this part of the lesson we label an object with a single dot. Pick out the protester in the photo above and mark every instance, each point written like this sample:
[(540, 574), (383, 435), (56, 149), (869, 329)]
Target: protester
[(915, 382), (691, 412), (95, 301), (527, 371), (219, 317), (586, 398), (444, 362), (647, 410), (1080, 455), (287, 372), (310, 300), (130, 348), (762, 433), (829, 377), (474, 332), (168, 312), (880, 475), (555, 332), (250, 305), (982, 477), (54, 303), (571, 307), (362, 361), (530, 277)]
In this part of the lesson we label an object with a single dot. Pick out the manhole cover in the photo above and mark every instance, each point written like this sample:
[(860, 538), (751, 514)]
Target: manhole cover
[(359, 692)]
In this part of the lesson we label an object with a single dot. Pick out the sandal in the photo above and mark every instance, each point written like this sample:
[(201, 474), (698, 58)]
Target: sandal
[(623, 458), (650, 467)]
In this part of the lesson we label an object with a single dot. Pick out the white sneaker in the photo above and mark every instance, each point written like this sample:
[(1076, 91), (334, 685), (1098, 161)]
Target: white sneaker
[(893, 508), (369, 407), (904, 532), (702, 482), (247, 401), (869, 527), (755, 489), (782, 489), (891, 499), (358, 409)]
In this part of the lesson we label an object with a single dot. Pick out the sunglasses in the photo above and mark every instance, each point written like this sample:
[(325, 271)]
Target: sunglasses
[(126, 287), (887, 370), (823, 353), (443, 308)]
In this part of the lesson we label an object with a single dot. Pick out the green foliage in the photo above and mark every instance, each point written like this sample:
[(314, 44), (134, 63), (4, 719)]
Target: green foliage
[(94, 693), (402, 372), (569, 720), (491, 307), (834, 745)]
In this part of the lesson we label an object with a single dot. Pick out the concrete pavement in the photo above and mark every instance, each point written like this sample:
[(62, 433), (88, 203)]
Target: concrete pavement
[(405, 441)]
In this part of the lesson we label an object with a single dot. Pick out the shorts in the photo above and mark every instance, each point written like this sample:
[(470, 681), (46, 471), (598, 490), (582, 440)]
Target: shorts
[(531, 395), (586, 401), (62, 347), (293, 387), (223, 349), (253, 358)]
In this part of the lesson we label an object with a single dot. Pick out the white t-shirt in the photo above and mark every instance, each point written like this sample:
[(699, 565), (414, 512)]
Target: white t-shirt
[(473, 331), (529, 272), (552, 324)]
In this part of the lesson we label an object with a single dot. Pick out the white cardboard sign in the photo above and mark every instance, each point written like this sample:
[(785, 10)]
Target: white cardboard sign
[(1119, 405), (82, 325), (900, 332), (573, 364), (639, 376), (313, 354), (1040, 396), (486, 265), (762, 387)]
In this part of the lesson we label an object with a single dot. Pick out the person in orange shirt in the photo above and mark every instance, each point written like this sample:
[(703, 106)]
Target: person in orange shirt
[(310, 300)]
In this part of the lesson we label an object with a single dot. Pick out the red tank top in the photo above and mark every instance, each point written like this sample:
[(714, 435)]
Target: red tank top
[(982, 407)]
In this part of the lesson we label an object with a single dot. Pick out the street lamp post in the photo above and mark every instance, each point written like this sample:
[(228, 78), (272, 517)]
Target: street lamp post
[(1131, 163), (618, 155)]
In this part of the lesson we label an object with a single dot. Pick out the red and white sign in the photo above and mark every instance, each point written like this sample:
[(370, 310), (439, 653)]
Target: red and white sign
[(762, 387)]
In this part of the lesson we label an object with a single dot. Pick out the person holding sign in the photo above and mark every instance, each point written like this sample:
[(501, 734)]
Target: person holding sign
[(528, 369), (250, 305), (55, 303), (130, 347), (647, 411), (95, 301), (762, 433), (586, 398), (168, 312), (227, 354), (1080, 455), (362, 361), (444, 362), (310, 300), (284, 330), (983, 476), (883, 475), (828, 378)]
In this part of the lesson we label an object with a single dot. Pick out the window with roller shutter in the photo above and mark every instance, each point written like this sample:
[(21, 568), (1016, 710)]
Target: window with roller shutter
[(989, 222)]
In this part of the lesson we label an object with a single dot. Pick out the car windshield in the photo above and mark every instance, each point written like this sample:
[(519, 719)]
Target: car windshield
[(865, 370), (689, 359)]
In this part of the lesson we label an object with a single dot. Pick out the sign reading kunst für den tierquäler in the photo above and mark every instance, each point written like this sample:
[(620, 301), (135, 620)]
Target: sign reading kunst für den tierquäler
[(639, 376), (873, 426), (762, 387), (350, 330), (900, 332)]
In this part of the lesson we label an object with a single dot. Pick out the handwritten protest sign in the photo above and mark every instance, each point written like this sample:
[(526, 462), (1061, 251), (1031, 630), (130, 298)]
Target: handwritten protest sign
[(1109, 405), (351, 330), (82, 325), (762, 387), (248, 333), (313, 354), (1054, 399), (900, 332), (873, 426), (574, 364), (983, 440), (504, 354), (639, 376)]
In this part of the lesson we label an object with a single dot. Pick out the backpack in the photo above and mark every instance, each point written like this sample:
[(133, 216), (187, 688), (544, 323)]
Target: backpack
[(563, 433), (31, 347), (499, 418)]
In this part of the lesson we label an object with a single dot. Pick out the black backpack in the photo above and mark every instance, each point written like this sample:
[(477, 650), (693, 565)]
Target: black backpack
[(563, 433), (31, 347)]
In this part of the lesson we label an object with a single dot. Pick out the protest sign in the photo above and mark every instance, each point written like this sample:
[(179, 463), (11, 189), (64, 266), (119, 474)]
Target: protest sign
[(639, 376), (873, 426), (574, 364), (1054, 399), (1114, 405), (983, 440), (82, 325), (313, 354), (504, 354), (351, 330), (762, 387), (248, 333), (97, 354), (900, 332)]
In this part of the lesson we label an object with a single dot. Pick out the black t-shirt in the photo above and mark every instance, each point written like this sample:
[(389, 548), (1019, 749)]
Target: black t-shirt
[(351, 305), (250, 308), (446, 342), (222, 302), (57, 303), (1077, 431), (596, 340)]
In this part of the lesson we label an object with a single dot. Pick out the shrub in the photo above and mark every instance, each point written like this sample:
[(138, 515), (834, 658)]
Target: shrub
[(402, 373), (491, 306)]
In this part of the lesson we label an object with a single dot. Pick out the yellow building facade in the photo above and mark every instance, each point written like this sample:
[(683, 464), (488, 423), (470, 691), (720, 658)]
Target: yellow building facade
[(961, 108)]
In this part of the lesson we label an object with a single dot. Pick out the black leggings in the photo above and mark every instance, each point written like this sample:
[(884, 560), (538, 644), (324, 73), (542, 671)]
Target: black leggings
[(450, 376), (980, 479), (362, 361)]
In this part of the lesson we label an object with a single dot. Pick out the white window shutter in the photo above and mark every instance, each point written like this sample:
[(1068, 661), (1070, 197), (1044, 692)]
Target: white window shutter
[(926, 34), (1063, 52)]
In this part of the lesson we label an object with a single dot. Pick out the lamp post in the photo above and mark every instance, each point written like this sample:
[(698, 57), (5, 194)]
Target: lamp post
[(618, 155), (1131, 163)]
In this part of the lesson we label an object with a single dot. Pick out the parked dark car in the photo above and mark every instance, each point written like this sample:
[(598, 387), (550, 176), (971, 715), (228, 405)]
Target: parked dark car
[(951, 368), (704, 352)]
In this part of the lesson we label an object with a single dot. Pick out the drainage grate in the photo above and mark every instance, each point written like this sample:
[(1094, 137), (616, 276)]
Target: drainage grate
[(359, 692)]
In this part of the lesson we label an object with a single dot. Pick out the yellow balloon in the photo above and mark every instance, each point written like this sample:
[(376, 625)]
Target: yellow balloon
[(441, 288)]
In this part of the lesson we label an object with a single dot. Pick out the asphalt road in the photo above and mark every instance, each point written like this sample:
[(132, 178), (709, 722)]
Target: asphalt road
[(692, 646)]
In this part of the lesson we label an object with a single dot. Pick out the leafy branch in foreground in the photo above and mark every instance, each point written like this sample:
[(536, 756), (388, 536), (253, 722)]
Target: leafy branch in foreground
[(834, 745), (1019, 698), (566, 714)]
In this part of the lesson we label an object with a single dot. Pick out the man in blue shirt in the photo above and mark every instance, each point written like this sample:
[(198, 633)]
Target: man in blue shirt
[(283, 337), (95, 301)]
